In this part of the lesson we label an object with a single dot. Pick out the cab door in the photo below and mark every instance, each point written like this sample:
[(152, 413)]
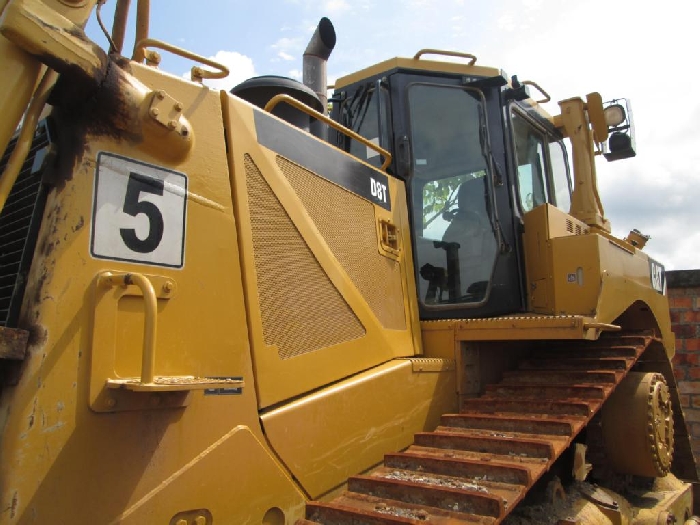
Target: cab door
[(450, 148)]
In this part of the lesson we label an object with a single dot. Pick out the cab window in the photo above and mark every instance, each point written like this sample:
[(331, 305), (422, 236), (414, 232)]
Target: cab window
[(456, 244), (560, 175), (363, 113), (542, 167), (530, 161)]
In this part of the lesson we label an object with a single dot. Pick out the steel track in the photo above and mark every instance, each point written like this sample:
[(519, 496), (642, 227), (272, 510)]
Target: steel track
[(479, 464)]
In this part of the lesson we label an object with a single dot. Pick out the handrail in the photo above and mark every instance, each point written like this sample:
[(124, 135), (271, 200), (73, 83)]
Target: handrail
[(197, 73), (148, 358), (26, 134), (458, 54), (143, 19), (332, 123), (546, 98)]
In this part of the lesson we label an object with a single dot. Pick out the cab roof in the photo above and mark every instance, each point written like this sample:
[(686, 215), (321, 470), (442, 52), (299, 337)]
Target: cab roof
[(432, 66), (419, 64)]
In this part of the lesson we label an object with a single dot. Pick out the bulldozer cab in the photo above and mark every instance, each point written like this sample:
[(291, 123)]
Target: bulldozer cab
[(476, 157)]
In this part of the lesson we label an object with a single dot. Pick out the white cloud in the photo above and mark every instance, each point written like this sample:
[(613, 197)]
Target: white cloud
[(336, 7), (287, 45), (285, 56), (240, 68), (506, 22), (333, 7), (295, 73)]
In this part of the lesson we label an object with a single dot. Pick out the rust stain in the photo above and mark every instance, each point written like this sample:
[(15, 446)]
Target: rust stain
[(31, 416), (42, 280), (13, 343), (13, 505), (37, 334), (79, 224)]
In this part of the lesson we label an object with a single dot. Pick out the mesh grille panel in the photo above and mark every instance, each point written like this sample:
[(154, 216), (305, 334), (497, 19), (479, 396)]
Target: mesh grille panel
[(19, 223), (301, 309), (347, 224)]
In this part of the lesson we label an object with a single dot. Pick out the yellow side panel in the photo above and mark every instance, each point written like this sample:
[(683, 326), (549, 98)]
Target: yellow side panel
[(342, 430), (576, 273), (537, 262), (249, 485), (325, 301), (572, 270), (584, 265), (66, 459), (542, 225)]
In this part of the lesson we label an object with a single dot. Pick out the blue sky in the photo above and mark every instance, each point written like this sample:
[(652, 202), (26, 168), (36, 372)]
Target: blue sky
[(621, 48)]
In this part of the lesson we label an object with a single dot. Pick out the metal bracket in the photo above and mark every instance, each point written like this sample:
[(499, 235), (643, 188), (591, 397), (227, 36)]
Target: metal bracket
[(167, 111), (388, 239)]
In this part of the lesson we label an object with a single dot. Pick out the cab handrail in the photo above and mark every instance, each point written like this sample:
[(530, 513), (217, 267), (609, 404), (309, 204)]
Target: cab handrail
[(459, 54), (332, 123), (534, 84)]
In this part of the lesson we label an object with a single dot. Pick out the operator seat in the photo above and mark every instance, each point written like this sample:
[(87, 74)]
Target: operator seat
[(471, 229)]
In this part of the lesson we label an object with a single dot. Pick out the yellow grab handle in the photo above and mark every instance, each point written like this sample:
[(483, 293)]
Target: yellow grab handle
[(332, 123)]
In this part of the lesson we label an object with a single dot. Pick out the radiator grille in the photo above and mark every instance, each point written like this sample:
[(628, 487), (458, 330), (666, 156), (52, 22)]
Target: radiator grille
[(301, 310), (575, 229), (347, 224), (19, 225)]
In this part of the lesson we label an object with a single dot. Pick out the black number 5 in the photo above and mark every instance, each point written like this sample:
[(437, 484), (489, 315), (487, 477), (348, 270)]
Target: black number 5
[(132, 206)]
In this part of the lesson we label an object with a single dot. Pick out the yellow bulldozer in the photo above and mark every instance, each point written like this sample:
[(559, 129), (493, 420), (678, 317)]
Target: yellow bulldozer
[(401, 304)]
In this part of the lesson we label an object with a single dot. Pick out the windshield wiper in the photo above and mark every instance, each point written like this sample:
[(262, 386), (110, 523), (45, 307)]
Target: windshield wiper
[(492, 166)]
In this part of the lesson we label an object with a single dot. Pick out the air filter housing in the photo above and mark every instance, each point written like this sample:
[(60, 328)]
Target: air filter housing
[(259, 91)]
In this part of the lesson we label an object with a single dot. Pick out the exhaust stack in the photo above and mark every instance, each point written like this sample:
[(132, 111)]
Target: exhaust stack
[(315, 58)]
